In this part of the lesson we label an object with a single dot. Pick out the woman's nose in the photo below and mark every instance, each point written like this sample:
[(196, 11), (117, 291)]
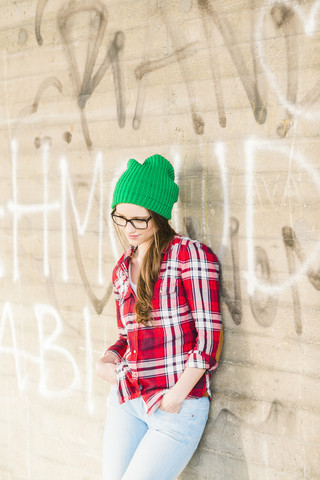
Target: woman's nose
[(130, 228)]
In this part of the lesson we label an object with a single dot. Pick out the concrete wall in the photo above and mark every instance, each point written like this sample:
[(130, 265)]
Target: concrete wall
[(229, 91)]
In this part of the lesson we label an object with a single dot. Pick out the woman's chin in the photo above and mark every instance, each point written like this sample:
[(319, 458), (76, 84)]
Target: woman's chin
[(133, 241)]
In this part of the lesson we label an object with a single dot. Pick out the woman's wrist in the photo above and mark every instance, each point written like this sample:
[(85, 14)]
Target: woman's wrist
[(179, 393), (110, 357), (186, 382)]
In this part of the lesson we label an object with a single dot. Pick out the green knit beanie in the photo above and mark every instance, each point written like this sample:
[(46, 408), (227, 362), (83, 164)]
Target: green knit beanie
[(149, 184)]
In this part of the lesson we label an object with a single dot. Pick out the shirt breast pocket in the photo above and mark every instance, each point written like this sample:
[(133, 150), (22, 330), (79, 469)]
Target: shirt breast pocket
[(126, 307), (168, 301)]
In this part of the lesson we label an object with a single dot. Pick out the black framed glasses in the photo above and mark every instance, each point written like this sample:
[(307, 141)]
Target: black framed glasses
[(138, 223)]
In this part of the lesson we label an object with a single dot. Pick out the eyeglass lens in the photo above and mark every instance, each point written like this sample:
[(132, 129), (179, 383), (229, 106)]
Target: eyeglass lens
[(138, 223)]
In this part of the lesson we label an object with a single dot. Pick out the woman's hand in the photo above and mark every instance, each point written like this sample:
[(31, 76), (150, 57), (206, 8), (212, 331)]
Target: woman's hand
[(106, 367), (171, 402)]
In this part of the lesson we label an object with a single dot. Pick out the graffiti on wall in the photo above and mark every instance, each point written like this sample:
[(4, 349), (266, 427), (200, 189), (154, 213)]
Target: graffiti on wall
[(287, 20), (262, 290), (256, 272)]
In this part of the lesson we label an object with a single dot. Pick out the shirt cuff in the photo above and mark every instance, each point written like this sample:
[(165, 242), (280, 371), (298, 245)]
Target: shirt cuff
[(198, 359), (113, 351)]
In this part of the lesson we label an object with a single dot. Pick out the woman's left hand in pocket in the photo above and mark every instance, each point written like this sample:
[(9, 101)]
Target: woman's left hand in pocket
[(170, 402)]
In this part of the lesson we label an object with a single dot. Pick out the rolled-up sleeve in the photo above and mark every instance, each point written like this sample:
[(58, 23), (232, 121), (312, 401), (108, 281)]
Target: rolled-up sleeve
[(200, 279)]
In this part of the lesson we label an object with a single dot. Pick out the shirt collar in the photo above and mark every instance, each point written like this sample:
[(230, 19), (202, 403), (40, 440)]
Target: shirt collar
[(127, 258), (131, 249)]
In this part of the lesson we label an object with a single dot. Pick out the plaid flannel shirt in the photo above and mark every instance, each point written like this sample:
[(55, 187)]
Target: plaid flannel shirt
[(185, 326)]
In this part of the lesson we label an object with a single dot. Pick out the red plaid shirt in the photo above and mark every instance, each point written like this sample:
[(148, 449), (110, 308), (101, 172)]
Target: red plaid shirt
[(185, 327)]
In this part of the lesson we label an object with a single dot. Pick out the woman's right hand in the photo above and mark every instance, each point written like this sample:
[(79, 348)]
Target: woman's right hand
[(106, 367)]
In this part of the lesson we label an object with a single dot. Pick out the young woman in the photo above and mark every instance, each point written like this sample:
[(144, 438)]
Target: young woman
[(168, 315)]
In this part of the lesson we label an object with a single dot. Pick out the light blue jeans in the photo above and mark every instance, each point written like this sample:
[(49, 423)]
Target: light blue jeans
[(137, 446)]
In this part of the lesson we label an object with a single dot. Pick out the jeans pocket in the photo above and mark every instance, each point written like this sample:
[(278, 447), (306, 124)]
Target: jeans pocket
[(195, 407), (190, 407), (183, 426), (164, 412)]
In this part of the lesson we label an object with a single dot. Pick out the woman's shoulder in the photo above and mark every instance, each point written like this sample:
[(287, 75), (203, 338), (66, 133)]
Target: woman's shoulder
[(187, 247)]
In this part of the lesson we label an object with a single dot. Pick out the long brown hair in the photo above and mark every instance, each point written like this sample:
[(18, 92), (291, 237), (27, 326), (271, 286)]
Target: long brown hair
[(150, 267)]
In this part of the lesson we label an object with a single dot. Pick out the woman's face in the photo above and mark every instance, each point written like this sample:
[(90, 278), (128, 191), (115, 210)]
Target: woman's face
[(135, 236)]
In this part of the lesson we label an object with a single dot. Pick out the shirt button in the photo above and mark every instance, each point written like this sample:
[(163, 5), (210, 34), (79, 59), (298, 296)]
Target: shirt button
[(134, 351)]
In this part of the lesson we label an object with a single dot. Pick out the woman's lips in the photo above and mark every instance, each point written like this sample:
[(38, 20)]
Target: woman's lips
[(133, 237)]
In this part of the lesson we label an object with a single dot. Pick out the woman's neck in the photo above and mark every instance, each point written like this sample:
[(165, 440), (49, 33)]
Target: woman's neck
[(140, 252)]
